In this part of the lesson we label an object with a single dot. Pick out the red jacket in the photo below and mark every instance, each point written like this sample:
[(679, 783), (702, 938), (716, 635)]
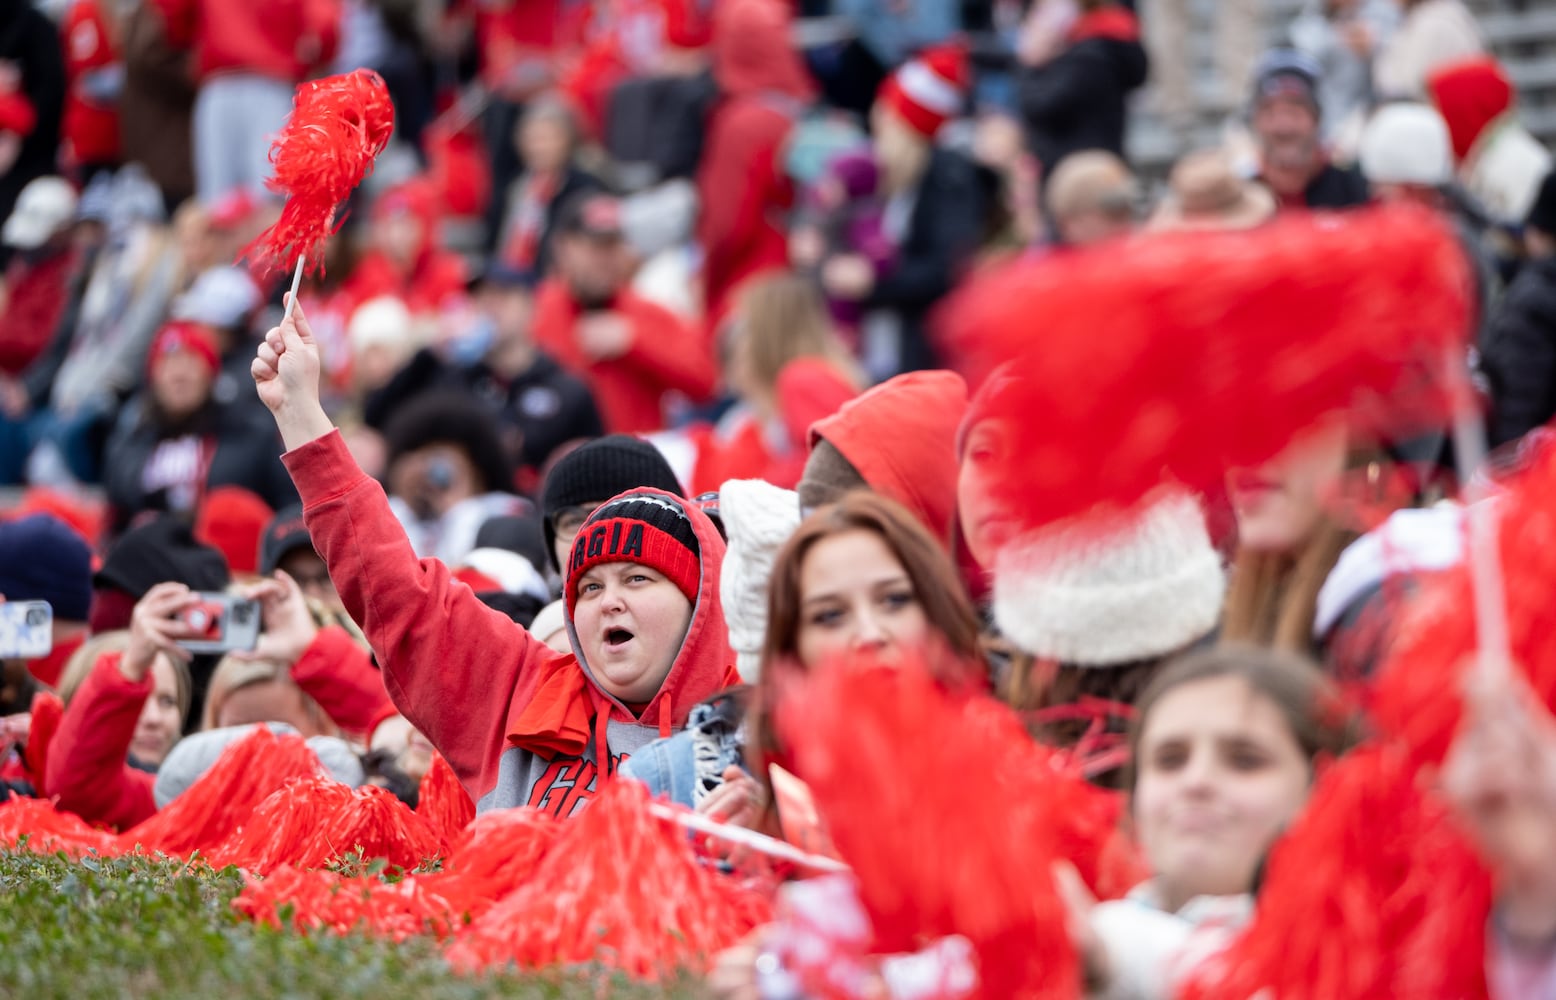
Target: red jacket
[(86, 766), (438, 277), (519, 723), (91, 128), (35, 296), (86, 761), (742, 186), (281, 39), (338, 673), (665, 355)]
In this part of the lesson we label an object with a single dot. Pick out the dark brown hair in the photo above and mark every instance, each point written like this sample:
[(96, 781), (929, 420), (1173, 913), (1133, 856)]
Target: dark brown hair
[(1320, 721), (957, 660)]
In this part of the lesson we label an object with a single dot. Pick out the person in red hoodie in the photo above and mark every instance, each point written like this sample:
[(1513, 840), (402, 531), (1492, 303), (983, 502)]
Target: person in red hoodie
[(898, 439), (743, 189), (519, 723), (127, 714), (631, 352), (406, 261), (248, 58), (95, 77), (37, 281)]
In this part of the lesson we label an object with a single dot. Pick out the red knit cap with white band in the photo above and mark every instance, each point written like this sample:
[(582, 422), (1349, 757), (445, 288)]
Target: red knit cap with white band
[(643, 528), (928, 90)]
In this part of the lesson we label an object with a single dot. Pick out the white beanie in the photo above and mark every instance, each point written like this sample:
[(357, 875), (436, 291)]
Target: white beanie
[(509, 570), (1096, 595), (758, 518), (385, 320), (221, 297), (1407, 143)]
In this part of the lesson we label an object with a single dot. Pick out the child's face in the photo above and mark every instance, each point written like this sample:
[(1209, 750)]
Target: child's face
[(1220, 775), (630, 621), (855, 595)]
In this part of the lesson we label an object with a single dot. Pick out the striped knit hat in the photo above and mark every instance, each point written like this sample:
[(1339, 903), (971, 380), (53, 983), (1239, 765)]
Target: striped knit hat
[(647, 528), (928, 90)]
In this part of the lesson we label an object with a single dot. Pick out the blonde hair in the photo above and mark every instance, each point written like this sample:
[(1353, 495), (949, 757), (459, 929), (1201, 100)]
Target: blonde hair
[(1272, 598), (784, 318), (234, 674), (85, 658)]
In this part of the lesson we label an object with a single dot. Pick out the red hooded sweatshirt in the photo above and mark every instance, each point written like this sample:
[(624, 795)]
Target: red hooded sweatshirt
[(90, 129), (901, 438), (281, 39), (742, 186), (86, 761), (519, 723), (665, 355), (433, 278)]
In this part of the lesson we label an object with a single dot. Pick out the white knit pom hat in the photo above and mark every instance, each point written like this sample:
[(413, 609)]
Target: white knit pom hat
[(1095, 595), (758, 518)]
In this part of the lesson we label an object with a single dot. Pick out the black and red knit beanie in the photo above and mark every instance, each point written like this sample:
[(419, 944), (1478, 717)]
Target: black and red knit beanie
[(644, 528)]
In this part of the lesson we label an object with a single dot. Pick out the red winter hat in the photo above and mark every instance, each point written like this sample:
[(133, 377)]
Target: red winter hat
[(643, 526), (182, 335), (232, 520), (1470, 94), (928, 90), (687, 24)]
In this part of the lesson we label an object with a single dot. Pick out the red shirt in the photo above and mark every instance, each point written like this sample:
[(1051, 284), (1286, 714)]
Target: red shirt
[(665, 355), (91, 128)]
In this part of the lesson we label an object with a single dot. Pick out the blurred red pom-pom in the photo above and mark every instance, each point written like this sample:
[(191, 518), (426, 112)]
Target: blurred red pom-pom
[(1182, 355)]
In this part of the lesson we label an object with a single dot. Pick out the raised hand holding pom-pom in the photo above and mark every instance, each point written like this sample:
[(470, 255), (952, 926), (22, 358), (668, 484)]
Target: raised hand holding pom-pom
[(286, 375)]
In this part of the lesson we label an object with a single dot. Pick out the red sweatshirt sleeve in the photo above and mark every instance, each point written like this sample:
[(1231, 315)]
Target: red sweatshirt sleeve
[(668, 352), (87, 769), (338, 673), (452, 665)]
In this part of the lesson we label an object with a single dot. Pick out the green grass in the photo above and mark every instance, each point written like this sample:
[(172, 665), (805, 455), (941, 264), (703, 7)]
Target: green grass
[(135, 927)]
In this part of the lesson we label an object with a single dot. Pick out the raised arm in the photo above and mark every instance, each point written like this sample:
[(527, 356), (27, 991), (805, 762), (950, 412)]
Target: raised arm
[(452, 665)]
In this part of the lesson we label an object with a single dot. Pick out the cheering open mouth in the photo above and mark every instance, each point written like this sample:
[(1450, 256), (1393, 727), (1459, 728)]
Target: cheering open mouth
[(616, 638)]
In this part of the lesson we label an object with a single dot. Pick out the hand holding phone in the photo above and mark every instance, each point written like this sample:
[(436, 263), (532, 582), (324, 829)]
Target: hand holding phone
[(155, 628)]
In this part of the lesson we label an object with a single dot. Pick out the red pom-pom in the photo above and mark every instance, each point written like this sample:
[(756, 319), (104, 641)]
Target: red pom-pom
[(215, 807), (443, 801), (620, 888), (47, 713), (338, 127), (1184, 354), (281, 827), (374, 824), (37, 826), (308, 900), (494, 856), (1419, 695), (1373, 893), (952, 818)]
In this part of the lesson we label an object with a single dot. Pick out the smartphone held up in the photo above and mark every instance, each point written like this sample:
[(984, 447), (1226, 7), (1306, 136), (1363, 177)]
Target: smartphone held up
[(26, 630), (221, 623)]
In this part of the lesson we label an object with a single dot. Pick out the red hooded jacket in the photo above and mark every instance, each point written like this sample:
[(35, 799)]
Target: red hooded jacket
[(743, 188), (519, 723), (665, 355), (901, 438), (90, 129), (281, 39), (433, 278)]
